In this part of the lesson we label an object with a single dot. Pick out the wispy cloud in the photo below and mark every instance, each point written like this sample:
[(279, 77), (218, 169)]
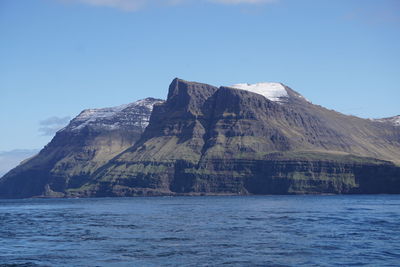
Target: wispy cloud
[(133, 5), (51, 125), (128, 5), (388, 12), (236, 2)]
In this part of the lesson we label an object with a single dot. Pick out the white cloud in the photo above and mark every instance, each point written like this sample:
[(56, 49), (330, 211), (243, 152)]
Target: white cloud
[(132, 5), (55, 120), (129, 5), (235, 2), (51, 125)]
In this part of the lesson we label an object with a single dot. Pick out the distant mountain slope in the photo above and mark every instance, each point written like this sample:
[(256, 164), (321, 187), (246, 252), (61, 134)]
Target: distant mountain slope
[(90, 140)]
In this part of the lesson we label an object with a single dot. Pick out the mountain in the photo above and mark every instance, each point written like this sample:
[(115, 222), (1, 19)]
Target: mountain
[(209, 140), (260, 138), (89, 141)]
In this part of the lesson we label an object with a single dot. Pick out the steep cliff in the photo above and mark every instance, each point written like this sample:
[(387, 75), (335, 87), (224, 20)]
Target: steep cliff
[(211, 140), (89, 141)]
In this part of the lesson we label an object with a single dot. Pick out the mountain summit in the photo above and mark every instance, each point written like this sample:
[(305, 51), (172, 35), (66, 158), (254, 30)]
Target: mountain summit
[(260, 138), (90, 140)]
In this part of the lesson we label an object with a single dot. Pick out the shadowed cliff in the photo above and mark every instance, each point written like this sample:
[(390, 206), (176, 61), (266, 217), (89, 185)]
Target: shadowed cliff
[(208, 140)]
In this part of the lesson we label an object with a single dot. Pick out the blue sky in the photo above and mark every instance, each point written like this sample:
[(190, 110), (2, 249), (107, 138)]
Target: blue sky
[(58, 57)]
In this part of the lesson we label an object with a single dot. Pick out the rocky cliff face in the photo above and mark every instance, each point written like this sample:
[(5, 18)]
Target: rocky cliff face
[(243, 139), (89, 141), (209, 140)]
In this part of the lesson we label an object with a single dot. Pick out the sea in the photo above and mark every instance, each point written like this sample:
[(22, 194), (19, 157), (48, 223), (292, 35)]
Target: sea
[(298, 230)]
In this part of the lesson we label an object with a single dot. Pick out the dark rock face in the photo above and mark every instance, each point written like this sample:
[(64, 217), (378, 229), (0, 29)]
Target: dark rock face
[(89, 141), (209, 140)]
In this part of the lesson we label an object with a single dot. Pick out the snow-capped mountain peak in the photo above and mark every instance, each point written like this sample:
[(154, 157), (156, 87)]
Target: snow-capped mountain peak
[(133, 114), (273, 91)]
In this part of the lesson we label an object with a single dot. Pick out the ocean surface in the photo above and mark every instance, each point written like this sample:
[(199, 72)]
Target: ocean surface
[(357, 230)]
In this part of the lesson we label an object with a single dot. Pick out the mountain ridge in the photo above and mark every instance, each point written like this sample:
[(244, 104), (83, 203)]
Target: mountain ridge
[(221, 140), (91, 139), (395, 120), (188, 136)]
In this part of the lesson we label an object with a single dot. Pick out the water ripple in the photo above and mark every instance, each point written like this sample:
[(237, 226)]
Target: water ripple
[(201, 231)]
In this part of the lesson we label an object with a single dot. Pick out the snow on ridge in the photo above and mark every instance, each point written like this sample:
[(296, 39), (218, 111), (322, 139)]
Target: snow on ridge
[(393, 120), (272, 91), (104, 117), (95, 113)]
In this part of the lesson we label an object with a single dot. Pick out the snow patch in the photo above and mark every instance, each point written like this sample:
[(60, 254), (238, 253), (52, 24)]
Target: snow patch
[(392, 120), (98, 113), (115, 117), (273, 91)]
